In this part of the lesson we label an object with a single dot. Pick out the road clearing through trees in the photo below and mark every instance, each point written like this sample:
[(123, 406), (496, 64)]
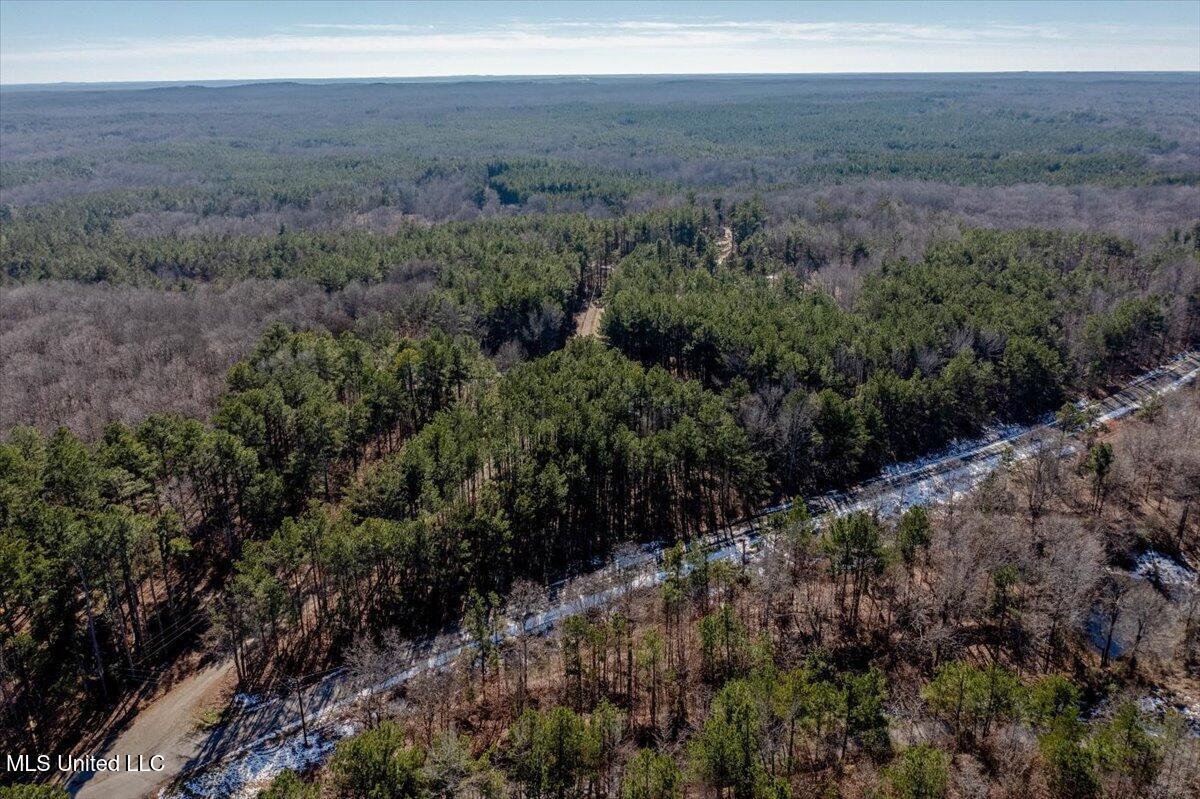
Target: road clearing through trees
[(250, 748), (587, 321)]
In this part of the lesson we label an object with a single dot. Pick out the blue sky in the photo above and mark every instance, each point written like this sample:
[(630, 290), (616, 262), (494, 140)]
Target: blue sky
[(42, 42)]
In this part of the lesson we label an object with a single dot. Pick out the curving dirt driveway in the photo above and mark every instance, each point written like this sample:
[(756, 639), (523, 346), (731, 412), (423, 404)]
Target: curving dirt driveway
[(168, 727)]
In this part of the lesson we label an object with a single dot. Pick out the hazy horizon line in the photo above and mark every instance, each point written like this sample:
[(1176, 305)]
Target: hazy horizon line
[(467, 77)]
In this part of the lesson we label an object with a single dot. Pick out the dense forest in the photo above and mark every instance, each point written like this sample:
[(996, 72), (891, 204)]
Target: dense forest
[(290, 371), (941, 653)]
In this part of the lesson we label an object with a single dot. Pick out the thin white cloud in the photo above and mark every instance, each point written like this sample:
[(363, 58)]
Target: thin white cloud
[(343, 26), (558, 37), (563, 47)]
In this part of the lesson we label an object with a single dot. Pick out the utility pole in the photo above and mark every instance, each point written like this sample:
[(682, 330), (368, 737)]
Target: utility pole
[(295, 686)]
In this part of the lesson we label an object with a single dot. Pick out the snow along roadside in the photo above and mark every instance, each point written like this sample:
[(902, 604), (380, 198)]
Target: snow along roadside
[(925, 481)]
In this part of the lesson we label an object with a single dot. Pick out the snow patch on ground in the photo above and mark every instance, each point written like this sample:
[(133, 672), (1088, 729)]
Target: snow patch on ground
[(959, 447), (1154, 706), (245, 777), (1163, 570), (245, 701), (1158, 704)]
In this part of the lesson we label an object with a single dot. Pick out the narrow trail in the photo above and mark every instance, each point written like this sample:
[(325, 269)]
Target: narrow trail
[(725, 245), (243, 753), (587, 321)]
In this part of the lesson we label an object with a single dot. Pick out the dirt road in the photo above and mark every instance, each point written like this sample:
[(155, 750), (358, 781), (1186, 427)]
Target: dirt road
[(587, 321), (168, 728), (725, 245)]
